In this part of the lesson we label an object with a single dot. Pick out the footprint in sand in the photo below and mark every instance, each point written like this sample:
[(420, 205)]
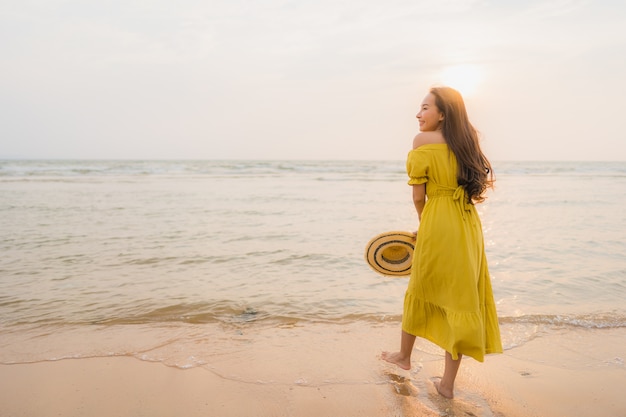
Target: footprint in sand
[(401, 385)]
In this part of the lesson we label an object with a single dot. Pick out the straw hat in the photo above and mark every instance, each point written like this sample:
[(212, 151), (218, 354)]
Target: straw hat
[(391, 253)]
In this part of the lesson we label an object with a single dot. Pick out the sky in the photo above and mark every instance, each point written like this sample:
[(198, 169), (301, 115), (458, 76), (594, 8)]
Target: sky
[(307, 79)]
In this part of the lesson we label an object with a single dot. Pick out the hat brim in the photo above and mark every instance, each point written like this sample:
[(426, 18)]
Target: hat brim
[(391, 253)]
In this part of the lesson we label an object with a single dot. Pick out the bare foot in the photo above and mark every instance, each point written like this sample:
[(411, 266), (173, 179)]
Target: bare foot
[(397, 359), (443, 390)]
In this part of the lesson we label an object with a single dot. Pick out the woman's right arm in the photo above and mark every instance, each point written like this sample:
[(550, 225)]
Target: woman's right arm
[(419, 198)]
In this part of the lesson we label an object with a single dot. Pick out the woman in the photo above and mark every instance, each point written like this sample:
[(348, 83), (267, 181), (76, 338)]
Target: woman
[(449, 300)]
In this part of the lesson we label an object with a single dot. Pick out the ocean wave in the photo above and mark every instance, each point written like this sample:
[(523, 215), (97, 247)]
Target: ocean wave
[(226, 312), (324, 170), (560, 168), (610, 320), (277, 313)]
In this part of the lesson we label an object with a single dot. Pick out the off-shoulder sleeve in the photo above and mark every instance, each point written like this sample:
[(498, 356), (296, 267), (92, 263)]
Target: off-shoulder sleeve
[(417, 167)]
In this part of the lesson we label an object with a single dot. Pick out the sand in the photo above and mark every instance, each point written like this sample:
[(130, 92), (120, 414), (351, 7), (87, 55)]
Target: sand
[(331, 370)]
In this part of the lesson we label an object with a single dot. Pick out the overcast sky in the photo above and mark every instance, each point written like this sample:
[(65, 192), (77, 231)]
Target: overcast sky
[(307, 79)]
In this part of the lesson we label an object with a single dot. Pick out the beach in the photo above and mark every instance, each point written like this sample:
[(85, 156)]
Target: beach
[(231, 288), (330, 370)]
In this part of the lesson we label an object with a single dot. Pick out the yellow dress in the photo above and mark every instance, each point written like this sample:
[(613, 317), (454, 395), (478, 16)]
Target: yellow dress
[(449, 300)]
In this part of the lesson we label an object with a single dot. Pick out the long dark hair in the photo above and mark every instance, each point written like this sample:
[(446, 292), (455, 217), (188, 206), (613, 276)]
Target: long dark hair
[(474, 174)]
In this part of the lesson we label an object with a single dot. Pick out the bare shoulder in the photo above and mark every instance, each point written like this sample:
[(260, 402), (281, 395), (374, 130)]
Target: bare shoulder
[(427, 138)]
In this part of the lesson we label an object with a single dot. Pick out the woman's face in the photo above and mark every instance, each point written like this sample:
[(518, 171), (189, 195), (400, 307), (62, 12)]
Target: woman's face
[(429, 115)]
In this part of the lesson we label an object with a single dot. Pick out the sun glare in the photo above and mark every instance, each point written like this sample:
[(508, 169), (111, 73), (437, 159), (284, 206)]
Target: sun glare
[(465, 78)]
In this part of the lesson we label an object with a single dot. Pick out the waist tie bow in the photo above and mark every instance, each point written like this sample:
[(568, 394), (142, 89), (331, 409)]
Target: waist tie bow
[(460, 197)]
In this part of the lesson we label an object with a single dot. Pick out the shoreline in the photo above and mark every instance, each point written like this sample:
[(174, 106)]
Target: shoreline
[(122, 386), (332, 370)]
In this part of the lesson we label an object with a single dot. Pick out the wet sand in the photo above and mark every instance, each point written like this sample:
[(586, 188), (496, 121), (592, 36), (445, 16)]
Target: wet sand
[(331, 370)]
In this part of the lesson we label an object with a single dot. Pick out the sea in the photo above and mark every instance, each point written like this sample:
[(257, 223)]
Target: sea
[(136, 258)]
